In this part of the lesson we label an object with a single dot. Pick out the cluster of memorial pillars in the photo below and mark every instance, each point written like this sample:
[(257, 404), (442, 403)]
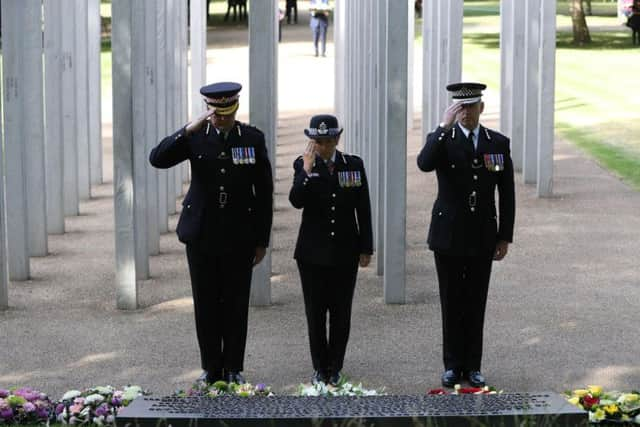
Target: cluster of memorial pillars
[(372, 92)]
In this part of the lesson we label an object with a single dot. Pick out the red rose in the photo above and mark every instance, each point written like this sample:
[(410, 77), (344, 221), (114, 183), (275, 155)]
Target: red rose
[(469, 390), (588, 401)]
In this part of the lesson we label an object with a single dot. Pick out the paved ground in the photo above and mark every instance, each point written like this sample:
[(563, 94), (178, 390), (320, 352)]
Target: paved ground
[(562, 310)]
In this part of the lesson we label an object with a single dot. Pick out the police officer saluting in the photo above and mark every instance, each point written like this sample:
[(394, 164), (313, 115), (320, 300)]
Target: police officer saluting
[(335, 237), (466, 233), (225, 223)]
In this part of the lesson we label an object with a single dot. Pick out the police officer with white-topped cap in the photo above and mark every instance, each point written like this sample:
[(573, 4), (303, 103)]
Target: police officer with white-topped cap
[(225, 222), (335, 238), (467, 233)]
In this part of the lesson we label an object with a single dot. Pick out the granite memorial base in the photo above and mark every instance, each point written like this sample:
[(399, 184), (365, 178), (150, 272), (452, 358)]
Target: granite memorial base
[(508, 409)]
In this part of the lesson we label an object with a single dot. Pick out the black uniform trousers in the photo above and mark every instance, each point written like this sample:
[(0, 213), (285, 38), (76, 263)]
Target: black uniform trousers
[(328, 289), (464, 284), (221, 284)]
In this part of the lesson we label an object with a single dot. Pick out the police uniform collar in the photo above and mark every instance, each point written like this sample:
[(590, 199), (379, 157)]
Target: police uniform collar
[(476, 131)]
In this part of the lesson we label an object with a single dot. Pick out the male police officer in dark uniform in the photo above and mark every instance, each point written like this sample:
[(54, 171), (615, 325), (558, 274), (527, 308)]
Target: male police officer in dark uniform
[(335, 237), (225, 223), (470, 161)]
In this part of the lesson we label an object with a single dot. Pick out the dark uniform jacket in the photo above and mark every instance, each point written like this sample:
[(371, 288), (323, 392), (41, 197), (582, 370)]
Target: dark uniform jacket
[(464, 219), (336, 217), (229, 204)]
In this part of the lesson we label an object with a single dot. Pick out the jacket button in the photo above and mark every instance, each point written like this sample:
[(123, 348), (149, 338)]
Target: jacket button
[(453, 166), (223, 154), (222, 188), (439, 213), (333, 234), (223, 170), (475, 177), (333, 195), (473, 209), (333, 208), (475, 161), (188, 206), (333, 221)]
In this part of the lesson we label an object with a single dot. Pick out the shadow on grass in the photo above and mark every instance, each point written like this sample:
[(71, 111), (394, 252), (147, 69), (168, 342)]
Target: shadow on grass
[(618, 40)]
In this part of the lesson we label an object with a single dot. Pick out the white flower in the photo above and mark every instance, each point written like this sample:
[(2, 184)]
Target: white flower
[(98, 420), (85, 412), (104, 390), (93, 398), (72, 394), (110, 419), (72, 420), (636, 419), (131, 392)]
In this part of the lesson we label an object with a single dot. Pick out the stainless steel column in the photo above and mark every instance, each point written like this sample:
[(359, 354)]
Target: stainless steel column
[(263, 108)]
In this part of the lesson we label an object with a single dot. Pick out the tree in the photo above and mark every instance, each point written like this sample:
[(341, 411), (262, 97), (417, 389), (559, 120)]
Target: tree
[(581, 34)]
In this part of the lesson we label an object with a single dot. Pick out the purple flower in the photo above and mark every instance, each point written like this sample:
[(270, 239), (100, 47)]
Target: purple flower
[(42, 413), (102, 410), (6, 413), (29, 407), (260, 387), (116, 401), (59, 408), (4, 393)]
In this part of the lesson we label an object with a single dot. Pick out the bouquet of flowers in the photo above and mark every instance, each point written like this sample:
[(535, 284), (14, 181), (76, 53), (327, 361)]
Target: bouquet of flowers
[(221, 388), (343, 388), (612, 406), (98, 405), (24, 406), (457, 389)]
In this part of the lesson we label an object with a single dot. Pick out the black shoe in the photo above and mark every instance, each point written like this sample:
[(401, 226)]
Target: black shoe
[(475, 379), (210, 376), (319, 377), (233, 377), (335, 378), (450, 378)]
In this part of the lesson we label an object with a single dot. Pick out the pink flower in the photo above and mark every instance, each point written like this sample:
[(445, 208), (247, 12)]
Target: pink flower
[(76, 409), (29, 407)]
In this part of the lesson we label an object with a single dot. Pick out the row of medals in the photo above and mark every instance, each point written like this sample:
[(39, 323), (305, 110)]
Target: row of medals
[(243, 155), (349, 179)]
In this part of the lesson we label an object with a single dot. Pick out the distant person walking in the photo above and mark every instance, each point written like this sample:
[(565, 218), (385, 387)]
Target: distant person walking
[(633, 22), (319, 23), (292, 10)]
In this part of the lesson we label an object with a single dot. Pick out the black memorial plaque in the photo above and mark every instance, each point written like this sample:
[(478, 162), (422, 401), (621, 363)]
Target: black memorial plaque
[(508, 409)]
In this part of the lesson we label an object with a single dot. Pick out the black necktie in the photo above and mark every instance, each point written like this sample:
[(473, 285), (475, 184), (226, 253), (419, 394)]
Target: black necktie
[(470, 139), (331, 166)]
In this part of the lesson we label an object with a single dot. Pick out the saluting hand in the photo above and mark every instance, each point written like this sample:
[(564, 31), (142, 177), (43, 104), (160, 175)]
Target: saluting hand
[(502, 248), (197, 123), (450, 114), (260, 253), (365, 259), (309, 156)]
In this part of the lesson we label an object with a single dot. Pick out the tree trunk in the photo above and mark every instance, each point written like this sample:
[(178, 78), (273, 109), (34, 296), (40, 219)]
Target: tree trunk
[(587, 8), (580, 30)]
